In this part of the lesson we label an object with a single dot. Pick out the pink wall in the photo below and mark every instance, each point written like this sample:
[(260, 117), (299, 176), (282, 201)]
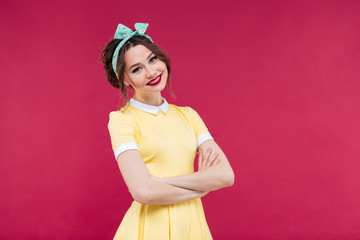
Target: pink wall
[(277, 83)]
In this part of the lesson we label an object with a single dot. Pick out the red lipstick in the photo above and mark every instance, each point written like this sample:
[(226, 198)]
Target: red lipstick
[(155, 81)]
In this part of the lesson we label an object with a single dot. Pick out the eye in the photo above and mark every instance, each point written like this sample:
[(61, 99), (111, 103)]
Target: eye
[(136, 70), (153, 59)]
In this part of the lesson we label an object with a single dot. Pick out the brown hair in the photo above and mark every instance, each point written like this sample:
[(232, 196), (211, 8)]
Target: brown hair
[(107, 54)]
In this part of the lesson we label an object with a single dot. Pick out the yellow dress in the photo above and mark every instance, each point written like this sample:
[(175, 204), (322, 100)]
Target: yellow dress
[(167, 138)]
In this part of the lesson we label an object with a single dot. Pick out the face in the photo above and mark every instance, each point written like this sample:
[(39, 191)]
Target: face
[(144, 72)]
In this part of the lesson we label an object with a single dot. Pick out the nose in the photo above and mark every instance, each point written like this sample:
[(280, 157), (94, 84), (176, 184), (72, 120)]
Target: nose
[(150, 73)]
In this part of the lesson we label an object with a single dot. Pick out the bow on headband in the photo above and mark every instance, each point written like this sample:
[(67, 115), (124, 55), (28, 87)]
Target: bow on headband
[(124, 33)]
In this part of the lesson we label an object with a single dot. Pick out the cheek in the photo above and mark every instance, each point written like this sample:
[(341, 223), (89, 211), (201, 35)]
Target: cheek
[(165, 71), (137, 80), (161, 65)]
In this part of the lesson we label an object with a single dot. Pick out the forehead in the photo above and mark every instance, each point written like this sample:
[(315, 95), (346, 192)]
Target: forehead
[(136, 54)]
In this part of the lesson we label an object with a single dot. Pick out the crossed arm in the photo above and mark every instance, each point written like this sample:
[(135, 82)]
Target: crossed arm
[(214, 172)]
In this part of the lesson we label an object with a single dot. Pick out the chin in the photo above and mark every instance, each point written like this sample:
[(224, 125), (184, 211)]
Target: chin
[(161, 85)]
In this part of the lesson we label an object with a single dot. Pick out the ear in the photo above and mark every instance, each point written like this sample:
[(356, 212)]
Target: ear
[(126, 81)]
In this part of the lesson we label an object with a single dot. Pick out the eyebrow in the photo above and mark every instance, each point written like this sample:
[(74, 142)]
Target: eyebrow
[(134, 65)]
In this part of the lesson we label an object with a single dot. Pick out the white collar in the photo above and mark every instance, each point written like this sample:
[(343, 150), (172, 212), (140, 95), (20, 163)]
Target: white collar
[(149, 108)]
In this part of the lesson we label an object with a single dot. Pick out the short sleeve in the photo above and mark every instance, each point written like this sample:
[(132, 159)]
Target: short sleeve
[(122, 129), (201, 131)]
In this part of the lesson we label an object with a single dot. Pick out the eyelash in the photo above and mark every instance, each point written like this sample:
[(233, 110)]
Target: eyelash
[(135, 70), (151, 61), (153, 58)]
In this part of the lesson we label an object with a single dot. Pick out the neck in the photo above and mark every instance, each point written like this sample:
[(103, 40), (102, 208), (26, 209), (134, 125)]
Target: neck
[(155, 100)]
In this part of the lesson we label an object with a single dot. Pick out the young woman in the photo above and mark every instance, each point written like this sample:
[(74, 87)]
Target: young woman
[(155, 144)]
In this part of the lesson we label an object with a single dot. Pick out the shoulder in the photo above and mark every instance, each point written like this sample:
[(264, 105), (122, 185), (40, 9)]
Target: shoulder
[(124, 116), (188, 111), (124, 112)]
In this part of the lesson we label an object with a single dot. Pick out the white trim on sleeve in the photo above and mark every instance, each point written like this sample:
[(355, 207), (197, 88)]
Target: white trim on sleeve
[(126, 146), (202, 138)]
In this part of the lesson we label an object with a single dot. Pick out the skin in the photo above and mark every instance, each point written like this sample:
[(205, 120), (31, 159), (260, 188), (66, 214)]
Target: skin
[(142, 66), (214, 171)]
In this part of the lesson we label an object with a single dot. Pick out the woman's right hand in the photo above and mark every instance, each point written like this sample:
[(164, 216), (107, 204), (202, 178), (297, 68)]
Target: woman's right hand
[(208, 159)]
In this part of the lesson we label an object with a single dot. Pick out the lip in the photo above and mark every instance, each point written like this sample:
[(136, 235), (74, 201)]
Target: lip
[(155, 81)]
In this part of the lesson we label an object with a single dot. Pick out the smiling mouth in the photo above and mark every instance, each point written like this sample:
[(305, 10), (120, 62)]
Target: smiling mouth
[(155, 81)]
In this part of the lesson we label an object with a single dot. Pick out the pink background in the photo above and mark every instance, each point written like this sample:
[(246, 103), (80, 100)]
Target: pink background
[(276, 82)]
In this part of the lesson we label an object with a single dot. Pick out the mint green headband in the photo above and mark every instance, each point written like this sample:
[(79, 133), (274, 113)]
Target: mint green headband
[(125, 33)]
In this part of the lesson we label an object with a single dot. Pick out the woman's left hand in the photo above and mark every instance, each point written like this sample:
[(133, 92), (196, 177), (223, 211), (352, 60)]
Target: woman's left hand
[(210, 158)]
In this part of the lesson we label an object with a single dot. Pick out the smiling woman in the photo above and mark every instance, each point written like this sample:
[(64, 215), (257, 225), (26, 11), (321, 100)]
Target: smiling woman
[(155, 144), (145, 73), (111, 70)]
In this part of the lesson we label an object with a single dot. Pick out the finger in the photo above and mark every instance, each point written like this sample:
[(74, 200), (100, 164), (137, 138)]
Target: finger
[(216, 161), (203, 159), (200, 161), (206, 157), (212, 158)]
